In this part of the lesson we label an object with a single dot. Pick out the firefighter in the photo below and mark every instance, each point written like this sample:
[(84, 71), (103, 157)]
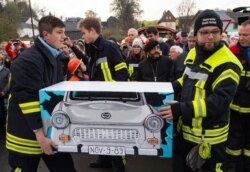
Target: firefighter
[(207, 86), (238, 146), (35, 68), (106, 64)]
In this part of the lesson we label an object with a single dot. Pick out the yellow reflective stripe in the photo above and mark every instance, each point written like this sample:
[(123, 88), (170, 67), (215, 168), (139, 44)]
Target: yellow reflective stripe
[(22, 149), (200, 109), (199, 104), (21, 141), (18, 170), (30, 107), (130, 70), (225, 75), (246, 152), (196, 122), (124, 160), (180, 81), (25, 105), (31, 111), (212, 141), (106, 71), (245, 73), (120, 66), (240, 109), (218, 167), (223, 55), (233, 152), (207, 132)]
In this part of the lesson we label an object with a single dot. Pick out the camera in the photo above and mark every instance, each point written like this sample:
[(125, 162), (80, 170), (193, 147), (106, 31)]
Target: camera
[(245, 10)]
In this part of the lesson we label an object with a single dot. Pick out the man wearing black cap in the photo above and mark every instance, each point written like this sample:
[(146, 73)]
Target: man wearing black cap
[(155, 68), (207, 87)]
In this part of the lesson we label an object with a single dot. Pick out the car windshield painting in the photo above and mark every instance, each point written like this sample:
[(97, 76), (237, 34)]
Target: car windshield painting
[(97, 95)]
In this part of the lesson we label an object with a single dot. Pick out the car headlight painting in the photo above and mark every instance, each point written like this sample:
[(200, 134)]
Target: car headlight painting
[(154, 123), (60, 120)]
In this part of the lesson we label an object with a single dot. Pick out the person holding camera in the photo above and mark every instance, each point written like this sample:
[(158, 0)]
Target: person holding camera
[(13, 48), (238, 146)]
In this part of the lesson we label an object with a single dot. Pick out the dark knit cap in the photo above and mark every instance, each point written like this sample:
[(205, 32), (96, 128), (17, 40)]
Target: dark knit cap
[(150, 45), (207, 18)]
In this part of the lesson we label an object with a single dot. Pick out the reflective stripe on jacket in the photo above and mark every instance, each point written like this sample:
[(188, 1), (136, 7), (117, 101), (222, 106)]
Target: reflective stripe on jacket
[(207, 91)]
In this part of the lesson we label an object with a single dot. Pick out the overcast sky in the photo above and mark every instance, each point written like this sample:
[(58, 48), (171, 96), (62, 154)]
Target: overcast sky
[(153, 9)]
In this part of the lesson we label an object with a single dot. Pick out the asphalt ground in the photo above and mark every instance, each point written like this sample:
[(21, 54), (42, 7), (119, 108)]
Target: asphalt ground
[(134, 163)]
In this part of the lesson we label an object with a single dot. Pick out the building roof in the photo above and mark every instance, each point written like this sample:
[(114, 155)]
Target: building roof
[(167, 16), (71, 24)]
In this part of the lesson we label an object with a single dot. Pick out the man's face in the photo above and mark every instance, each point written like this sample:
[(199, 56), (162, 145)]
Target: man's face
[(208, 37), (191, 42), (244, 36), (183, 38), (65, 49), (173, 54), (131, 35), (56, 37), (17, 46), (151, 36), (88, 35), (155, 52)]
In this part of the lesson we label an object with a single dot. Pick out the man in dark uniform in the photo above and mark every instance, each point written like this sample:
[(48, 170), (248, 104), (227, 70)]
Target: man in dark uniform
[(238, 146), (207, 87), (106, 64), (35, 68)]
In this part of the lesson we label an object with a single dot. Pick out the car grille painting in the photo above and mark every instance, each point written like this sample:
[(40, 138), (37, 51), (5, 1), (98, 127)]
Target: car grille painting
[(107, 134)]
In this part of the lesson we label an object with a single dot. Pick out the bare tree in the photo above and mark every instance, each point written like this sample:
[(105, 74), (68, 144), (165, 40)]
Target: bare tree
[(185, 9)]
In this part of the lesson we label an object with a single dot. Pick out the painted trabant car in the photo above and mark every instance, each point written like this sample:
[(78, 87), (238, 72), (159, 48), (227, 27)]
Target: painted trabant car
[(106, 123)]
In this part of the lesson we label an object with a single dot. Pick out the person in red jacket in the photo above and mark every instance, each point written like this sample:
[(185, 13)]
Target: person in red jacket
[(13, 48)]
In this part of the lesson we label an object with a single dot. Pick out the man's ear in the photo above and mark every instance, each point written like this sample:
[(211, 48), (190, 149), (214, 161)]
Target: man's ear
[(45, 34), (92, 30)]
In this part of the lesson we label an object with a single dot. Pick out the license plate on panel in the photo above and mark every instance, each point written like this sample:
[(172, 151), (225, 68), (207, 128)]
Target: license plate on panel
[(106, 150)]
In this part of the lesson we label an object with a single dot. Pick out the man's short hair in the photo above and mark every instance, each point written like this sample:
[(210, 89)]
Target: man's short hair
[(90, 22), (177, 49), (245, 23), (133, 30), (48, 23), (152, 29)]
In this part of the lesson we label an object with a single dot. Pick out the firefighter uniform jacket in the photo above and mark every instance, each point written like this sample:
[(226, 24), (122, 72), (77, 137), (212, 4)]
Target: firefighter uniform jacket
[(241, 102), (34, 69), (208, 87), (106, 63), (133, 66), (154, 70)]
